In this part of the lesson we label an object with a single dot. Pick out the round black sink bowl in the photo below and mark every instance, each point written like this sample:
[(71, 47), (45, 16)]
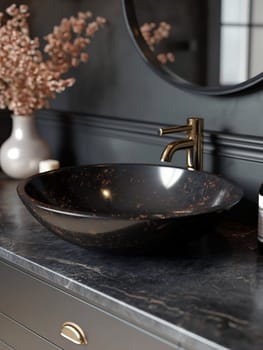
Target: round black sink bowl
[(127, 205)]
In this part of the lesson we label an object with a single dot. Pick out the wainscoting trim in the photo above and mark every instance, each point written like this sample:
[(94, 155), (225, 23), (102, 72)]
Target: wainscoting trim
[(244, 147)]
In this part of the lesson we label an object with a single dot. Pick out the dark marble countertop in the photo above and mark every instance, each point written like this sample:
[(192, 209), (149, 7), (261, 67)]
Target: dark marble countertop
[(206, 295)]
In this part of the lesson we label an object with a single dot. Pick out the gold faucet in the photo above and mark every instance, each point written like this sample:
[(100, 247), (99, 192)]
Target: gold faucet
[(193, 144)]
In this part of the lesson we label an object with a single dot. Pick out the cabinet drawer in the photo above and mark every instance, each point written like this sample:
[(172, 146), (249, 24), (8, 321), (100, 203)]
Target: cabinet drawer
[(17, 337), (4, 346), (43, 309)]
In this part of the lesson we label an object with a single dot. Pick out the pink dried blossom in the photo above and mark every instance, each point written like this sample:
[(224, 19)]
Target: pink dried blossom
[(153, 34), (30, 77)]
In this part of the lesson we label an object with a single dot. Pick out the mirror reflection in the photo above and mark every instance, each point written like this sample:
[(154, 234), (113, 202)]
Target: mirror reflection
[(208, 43)]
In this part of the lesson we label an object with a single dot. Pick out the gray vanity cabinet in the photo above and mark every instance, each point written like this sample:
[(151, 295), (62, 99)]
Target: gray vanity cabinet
[(33, 312)]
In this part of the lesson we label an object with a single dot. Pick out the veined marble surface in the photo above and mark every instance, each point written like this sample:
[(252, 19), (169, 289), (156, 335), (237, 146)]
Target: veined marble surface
[(207, 295)]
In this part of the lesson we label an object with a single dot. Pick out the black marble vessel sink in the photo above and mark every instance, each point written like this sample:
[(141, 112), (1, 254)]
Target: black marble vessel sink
[(125, 205)]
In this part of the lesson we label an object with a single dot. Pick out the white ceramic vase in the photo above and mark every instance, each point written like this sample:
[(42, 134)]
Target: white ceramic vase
[(21, 153)]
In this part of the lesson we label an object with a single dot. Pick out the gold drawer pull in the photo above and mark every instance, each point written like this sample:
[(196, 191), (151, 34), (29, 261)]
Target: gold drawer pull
[(72, 332)]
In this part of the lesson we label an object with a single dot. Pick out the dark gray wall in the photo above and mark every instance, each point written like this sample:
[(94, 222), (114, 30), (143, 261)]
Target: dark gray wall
[(114, 110)]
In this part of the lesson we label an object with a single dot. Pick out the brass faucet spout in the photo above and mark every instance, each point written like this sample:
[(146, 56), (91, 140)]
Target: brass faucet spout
[(172, 147), (192, 143)]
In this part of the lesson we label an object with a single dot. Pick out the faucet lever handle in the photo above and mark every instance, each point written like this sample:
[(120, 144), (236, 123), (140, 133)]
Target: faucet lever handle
[(174, 129)]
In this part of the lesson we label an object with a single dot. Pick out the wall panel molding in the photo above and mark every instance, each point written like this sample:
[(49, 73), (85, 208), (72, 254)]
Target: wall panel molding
[(243, 147)]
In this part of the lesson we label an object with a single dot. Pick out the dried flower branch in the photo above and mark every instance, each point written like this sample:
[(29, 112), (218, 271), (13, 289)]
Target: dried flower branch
[(28, 77), (153, 34)]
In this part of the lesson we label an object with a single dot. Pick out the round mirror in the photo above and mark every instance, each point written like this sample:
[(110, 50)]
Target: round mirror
[(209, 46)]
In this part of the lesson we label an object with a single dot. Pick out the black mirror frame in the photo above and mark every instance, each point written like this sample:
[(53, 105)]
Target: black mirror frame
[(131, 21)]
